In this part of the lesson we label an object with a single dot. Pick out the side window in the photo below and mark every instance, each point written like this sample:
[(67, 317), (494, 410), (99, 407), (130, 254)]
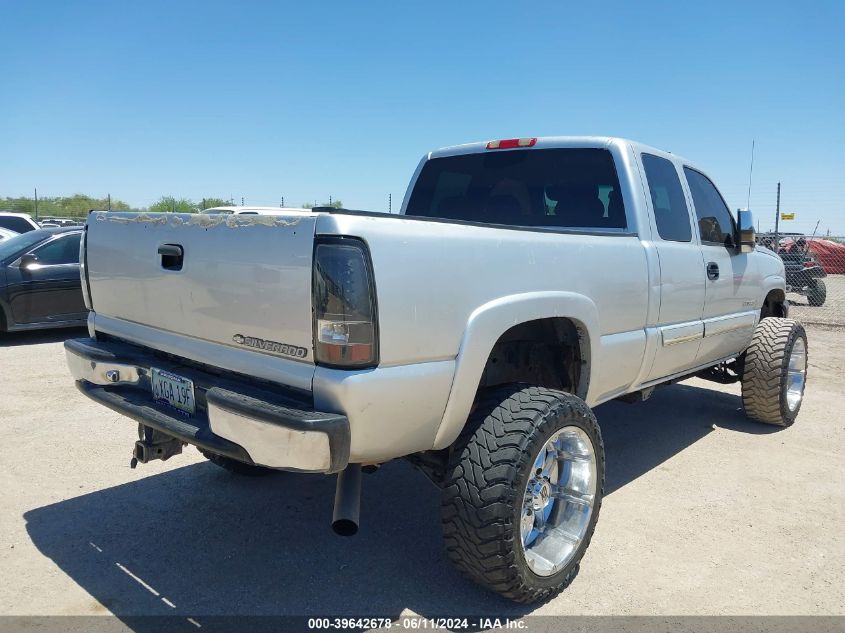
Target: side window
[(667, 198), (64, 250), (715, 222)]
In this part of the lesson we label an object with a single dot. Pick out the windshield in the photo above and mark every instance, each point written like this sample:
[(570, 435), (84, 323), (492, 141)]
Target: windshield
[(565, 188), (22, 242)]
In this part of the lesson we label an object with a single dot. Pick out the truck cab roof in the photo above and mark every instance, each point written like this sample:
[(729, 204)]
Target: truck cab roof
[(550, 142)]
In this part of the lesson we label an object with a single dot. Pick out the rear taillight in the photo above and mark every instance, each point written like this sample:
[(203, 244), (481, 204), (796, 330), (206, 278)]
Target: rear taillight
[(345, 320)]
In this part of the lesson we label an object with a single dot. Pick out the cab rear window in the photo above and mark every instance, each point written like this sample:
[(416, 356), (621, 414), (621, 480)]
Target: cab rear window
[(564, 188)]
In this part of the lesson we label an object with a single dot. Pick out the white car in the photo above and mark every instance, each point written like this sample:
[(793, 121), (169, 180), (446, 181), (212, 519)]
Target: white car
[(524, 282), (255, 210), (18, 222), (6, 234)]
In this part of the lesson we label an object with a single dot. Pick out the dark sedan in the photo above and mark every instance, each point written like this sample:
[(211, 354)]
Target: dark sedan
[(39, 280)]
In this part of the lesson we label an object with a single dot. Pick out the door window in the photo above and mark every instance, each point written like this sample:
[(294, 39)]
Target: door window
[(667, 199), (64, 250), (715, 222)]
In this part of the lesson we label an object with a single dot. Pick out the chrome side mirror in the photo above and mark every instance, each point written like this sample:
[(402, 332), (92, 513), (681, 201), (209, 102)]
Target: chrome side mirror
[(745, 225)]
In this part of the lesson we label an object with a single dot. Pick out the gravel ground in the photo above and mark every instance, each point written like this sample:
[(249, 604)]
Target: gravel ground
[(705, 513)]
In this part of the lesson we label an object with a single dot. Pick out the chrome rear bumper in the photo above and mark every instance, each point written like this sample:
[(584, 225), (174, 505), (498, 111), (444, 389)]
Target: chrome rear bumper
[(260, 424)]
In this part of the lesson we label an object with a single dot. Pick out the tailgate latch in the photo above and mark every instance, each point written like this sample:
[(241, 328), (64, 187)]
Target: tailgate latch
[(172, 256)]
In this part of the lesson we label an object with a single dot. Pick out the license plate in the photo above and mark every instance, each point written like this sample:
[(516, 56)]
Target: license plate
[(174, 390)]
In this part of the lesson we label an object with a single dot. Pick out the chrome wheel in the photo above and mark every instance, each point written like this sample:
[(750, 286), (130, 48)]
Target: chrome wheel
[(558, 501), (796, 374)]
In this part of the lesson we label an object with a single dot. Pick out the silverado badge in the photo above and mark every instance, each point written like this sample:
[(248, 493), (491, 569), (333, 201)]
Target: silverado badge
[(270, 346)]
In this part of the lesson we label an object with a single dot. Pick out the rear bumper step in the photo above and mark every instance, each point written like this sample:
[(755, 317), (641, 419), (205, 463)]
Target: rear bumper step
[(256, 425)]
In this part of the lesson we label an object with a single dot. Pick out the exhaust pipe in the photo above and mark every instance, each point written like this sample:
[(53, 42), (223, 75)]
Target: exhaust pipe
[(347, 501)]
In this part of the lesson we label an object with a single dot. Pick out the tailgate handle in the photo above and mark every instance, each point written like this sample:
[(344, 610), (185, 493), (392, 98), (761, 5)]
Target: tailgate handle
[(172, 256)]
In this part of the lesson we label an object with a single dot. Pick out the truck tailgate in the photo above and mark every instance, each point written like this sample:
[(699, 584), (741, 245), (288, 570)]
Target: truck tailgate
[(244, 281)]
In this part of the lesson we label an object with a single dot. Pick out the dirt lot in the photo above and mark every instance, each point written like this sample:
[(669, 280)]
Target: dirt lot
[(705, 513)]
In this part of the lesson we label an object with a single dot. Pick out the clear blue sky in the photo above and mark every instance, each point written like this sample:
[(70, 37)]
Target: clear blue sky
[(311, 99)]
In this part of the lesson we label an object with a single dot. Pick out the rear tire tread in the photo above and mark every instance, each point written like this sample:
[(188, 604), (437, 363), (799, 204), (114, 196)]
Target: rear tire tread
[(478, 492)]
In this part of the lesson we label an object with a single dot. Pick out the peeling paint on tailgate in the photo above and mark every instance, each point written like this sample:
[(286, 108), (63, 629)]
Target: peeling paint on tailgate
[(254, 281)]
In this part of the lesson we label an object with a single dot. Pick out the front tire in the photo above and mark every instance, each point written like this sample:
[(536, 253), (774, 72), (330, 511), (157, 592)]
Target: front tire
[(775, 372), (523, 490)]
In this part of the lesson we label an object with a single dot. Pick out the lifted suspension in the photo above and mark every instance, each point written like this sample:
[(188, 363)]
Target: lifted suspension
[(725, 373)]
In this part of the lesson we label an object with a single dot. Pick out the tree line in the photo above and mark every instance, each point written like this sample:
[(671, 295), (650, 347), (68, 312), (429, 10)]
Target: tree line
[(79, 204)]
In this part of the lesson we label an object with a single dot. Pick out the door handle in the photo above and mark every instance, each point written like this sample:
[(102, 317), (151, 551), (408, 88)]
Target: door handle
[(712, 271)]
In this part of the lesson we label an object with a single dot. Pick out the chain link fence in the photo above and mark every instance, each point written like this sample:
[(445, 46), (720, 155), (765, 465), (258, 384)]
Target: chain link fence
[(815, 276)]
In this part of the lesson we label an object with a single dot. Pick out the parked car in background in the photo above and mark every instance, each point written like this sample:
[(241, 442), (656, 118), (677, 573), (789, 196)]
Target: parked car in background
[(54, 221), (17, 222), (39, 280), (5, 234), (255, 210)]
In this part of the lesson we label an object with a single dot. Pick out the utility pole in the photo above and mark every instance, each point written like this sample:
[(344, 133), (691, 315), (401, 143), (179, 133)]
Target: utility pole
[(777, 220), (109, 202), (36, 203)]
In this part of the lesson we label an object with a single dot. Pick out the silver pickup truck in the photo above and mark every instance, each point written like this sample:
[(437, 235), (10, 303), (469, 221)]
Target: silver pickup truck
[(524, 281)]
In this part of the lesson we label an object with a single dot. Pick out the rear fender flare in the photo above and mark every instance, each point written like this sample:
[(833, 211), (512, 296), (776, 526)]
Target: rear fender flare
[(483, 329)]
